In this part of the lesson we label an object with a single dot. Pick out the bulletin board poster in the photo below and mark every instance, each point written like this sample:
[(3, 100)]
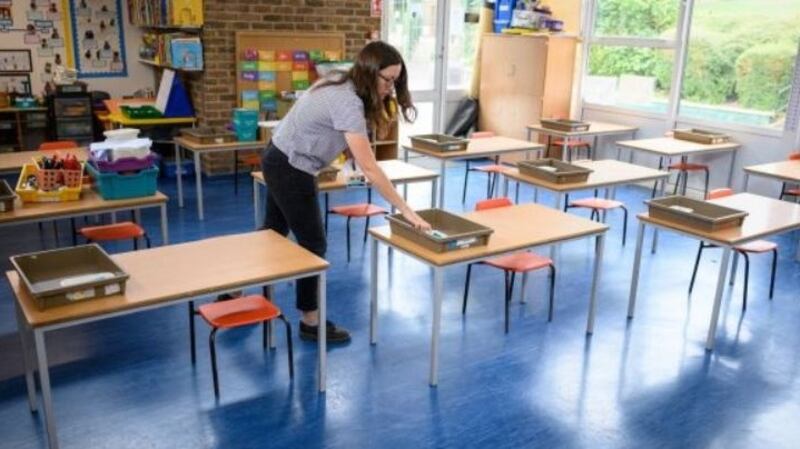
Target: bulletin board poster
[(98, 38)]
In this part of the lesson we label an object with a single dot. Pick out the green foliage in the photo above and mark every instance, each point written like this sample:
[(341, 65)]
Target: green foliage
[(614, 61), (643, 18), (763, 73)]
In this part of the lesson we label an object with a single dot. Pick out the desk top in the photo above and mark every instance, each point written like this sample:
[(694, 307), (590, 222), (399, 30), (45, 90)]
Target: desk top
[(396, 170), (200, 147), (15, 159), (90, 203), (33, 109), (606, 173), (115, 114), (185, 270), (484, 146), (669, 146), (785, 170), (595, 129), (515, 228), (767, 216)]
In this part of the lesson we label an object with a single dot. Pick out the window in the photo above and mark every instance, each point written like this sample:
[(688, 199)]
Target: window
[(740, 61), (462, 43), (412, 29), (631, 55)]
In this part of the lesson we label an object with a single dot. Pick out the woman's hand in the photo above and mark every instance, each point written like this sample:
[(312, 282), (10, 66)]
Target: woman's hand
[(418, 222)]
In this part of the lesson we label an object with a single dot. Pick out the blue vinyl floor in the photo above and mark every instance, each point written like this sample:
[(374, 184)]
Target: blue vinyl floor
[(647, 383)]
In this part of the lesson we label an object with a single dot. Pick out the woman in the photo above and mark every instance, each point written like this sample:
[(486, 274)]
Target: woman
[(333, 116)]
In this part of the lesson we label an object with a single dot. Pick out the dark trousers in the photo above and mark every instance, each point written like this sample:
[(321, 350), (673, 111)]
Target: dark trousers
[(292, 205)]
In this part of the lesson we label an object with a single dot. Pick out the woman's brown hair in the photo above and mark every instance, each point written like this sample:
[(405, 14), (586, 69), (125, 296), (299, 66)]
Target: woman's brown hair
[(373, 58)]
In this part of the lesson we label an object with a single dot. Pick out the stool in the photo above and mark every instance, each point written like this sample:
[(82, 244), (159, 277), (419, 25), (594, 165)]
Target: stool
[(253, 161), (572, 145), (238, 312), (597, 205), (116, 231), (785, 189), (684, 168), (350, 211)]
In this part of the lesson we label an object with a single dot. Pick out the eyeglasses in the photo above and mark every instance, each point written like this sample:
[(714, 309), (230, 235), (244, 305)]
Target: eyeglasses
[(386, 79)]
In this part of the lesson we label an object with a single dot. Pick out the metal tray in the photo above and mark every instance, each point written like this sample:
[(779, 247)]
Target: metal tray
[(699, 215), (328, 174), (439, 142), (700, 136), (453, 232), (208, 135), (69, 275), (554, 171), (564, 125), (7, 197)]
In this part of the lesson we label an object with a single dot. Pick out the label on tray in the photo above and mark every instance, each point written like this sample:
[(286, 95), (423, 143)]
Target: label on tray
[(81, 294), (463, 243), (112, 289), (685, 209)]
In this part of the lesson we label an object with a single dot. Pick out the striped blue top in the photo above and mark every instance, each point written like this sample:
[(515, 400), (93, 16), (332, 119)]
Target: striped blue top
[(312, 133)]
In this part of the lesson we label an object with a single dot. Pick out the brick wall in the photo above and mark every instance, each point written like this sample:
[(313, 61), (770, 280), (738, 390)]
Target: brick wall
[(214, 93)]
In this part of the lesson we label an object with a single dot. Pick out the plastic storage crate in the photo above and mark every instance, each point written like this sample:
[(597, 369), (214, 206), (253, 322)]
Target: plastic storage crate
[(553, 170), (449, 231), (28, 195), (700, 136), (117, 186), (565, 125), (439, 142), (123, 165), (68, 275), (700, 215), (7, 197)]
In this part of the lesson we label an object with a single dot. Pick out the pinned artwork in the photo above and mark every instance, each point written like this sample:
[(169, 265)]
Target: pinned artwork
[(250, 54), (18, 61), (98, 38)]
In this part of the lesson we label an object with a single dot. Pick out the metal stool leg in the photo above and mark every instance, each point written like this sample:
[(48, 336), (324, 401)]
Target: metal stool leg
[(466, 289), (552, 292), (696, 263), (772, 276), (289, 348), (624, 224), (212, 346), (191, 332), (466, 179), (746, 278), (348, 239)]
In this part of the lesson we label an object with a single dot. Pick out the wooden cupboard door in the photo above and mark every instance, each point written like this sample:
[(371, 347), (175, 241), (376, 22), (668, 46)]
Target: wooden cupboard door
[(513, 65), (509, 114)]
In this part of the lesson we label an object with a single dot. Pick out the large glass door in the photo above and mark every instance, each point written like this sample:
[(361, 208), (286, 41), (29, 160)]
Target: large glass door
[(412, 26)]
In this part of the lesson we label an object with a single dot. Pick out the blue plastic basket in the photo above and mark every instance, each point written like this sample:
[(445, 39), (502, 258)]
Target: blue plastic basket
[(503, 11), (117, 186), (245, 123)]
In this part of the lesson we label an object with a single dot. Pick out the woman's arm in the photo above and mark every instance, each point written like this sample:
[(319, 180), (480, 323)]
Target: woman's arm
[(362, 153)]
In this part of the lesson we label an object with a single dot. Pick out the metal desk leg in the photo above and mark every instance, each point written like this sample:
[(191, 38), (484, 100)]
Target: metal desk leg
[(637, 263), (595, 148), (178, 174), (137, 216), (733, 165), (734, 265), (522, 289), (565, 151), (434, 189), (619, 152), (405, 186), (604, 213), (373, 290), (24, 338), (598, 264), (164, 225), (529, 134), (256, 202), (270, 291), (655, 230), (746, 181), (198, 178), (505, 186), (535, 194), (442, 172), (554, 247), (712, 327), (438, 273), (44, 379), (322, 343)]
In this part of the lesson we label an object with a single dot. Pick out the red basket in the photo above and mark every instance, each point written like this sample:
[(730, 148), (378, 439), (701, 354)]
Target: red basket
[(49, 179), (72, 178)]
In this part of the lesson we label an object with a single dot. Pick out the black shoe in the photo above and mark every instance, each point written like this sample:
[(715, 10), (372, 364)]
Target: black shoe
[(334, 333)]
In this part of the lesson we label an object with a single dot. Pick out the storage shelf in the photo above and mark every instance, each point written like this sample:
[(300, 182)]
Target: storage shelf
[(188, 29), (167, 66)]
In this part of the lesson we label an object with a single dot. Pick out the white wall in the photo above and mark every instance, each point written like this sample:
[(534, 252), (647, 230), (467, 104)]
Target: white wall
[(757, 147), (139, 75)]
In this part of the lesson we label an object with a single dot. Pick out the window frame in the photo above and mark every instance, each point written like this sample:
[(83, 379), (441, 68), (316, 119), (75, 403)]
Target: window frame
[(680, 46)]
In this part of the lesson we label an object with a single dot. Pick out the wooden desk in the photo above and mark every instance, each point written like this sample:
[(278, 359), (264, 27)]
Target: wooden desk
[(13, 162), (90, 204), (767, 217), (197, 150), (397, 171), (515, 228), (165, 276), (669, 147), (606, 174), (596, 129), (482, 147), (784, 171)]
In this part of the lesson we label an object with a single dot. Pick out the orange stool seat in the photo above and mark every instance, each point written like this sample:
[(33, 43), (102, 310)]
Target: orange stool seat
[(757, 247), (492, 168), (58, 145), (239, 312), (596, 203), (251, 159), (116, 231), (520, 262), (359, 210), (688, 166)]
